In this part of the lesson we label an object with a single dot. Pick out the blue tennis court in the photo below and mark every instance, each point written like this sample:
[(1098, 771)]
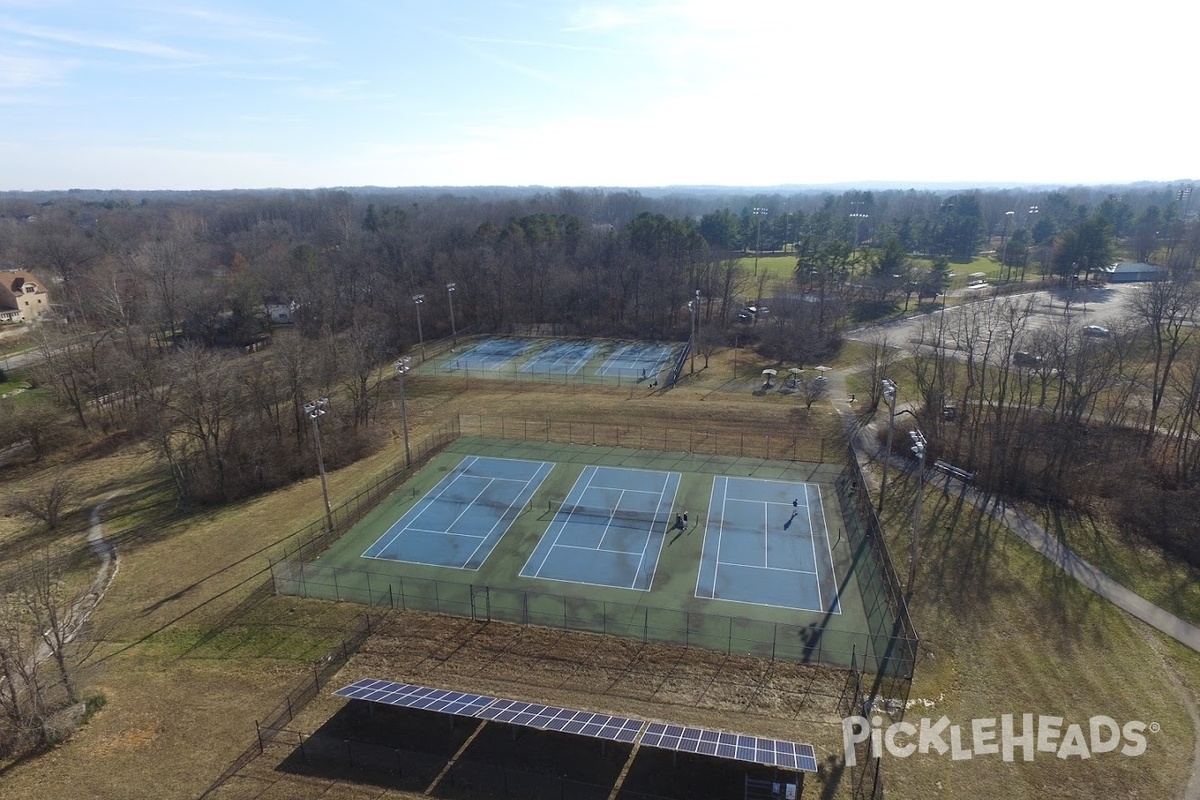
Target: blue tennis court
[(610, 529), (490, 354), (460, 521), (766, 543), (561, 358), (637, 361)]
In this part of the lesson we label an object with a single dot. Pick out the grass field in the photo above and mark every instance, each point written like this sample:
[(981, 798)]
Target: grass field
[(187, 668)]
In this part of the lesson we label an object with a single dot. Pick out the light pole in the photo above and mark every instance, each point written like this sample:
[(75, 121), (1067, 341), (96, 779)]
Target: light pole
[(758, 213), (418, 301), (1008, 216), (1028, 219), (316, 410), (857, 217), (402, 368), (695, 304), (918, 448), (451, 288), (889, 397)]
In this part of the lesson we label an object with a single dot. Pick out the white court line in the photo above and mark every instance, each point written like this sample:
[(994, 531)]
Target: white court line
[(590, 471), (672, 480), (828, 549), (766, 532), (499, 520), (813, 541), (771, 569), (720, 534), (426, 502), (597, 550)]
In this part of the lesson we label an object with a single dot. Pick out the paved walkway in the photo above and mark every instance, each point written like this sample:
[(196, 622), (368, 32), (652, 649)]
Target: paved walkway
[(1033, 533)]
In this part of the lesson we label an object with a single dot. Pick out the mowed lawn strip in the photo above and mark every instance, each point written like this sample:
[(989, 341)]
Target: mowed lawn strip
[(1005, 632)]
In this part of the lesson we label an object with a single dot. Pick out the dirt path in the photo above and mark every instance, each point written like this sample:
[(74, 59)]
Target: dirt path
[(82, 608)]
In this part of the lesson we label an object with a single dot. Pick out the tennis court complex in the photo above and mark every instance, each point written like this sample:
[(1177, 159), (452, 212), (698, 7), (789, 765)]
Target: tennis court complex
[(588, 537), (601, 361)]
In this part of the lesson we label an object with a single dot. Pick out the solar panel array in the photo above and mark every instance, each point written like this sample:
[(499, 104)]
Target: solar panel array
[(702, 741), (755, 749), (408, 695), (584, 723)]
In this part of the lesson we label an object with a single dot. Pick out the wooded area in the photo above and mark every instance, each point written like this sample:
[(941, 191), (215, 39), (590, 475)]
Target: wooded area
[(202, 324)]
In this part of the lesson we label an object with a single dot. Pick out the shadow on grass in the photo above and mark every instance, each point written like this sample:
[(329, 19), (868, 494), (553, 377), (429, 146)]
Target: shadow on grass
[(421, 751)]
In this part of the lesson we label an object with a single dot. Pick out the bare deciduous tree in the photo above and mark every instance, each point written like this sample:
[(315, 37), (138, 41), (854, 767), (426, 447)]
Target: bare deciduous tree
[(47, 504)]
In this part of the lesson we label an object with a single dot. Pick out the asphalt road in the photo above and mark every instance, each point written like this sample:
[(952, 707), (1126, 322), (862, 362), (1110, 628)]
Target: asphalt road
[(1104, 306)]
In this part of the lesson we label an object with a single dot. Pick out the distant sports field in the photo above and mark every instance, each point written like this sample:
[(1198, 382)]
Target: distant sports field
[(743, 555)]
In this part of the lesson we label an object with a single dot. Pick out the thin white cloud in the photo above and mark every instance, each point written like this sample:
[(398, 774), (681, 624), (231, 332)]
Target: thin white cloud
[(601, 18), (27, 72), (237, 27), (346, 92), (95, 41), (539, 44), (515, 66)]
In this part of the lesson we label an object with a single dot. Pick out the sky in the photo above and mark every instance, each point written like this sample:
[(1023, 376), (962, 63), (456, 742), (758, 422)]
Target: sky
[(158, 94)]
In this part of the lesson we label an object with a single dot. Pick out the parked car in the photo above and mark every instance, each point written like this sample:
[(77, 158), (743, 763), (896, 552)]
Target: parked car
[(1023, 358), (1095, 330)]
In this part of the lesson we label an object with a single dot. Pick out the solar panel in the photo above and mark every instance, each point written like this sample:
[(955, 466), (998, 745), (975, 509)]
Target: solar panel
[(736, 746), (407, 695), (567, 720), (686, 739)]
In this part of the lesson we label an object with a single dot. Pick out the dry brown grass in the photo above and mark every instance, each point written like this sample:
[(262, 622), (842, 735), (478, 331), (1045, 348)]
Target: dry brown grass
[(185, 682)]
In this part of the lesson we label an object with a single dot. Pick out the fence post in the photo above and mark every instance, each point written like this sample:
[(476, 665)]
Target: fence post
[(337, 592)]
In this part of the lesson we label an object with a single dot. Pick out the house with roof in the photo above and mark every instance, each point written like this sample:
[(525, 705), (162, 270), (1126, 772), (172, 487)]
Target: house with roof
[(23, 297), (1135, 272)]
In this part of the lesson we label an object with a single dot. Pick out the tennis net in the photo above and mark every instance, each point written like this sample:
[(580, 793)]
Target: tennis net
[(612, 515)]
